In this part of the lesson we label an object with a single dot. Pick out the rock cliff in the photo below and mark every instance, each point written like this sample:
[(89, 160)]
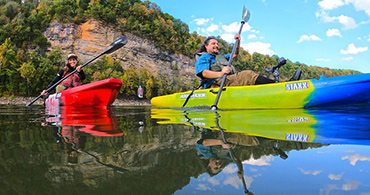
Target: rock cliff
[(89, 39)]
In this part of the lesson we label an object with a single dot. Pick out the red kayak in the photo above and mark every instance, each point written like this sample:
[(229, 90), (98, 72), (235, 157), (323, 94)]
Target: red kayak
[(97, 94)]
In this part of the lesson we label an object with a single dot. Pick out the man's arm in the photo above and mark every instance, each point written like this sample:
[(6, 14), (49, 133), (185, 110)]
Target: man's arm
[(215, 142), (213, 74), (237, 36)]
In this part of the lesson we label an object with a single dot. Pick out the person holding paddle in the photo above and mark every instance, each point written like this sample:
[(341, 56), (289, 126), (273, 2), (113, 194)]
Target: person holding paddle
[(73, 80), (212, 66)]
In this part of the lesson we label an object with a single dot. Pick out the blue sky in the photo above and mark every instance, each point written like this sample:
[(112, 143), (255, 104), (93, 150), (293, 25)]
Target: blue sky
[(327, 33)]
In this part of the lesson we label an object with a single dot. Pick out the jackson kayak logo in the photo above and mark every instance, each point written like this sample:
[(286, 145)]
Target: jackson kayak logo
[(297, 137), (296, 86), (195, 95)]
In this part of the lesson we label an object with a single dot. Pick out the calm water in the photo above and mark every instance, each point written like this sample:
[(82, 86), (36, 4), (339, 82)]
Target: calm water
[(141, 150)]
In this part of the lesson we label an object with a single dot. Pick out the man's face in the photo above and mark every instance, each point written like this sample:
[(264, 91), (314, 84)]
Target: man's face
[(212, 46), (215, 165)]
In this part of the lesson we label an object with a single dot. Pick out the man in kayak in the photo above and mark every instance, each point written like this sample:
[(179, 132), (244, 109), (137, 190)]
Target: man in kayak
[(73, 80), (211, 67)]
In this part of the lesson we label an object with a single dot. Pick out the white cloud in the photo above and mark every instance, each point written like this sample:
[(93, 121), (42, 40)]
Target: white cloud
[(368, 38), (235, 26), (355, 157), (233, 180), (335, 177), (360, 5), (252, 36), (259, 47), (330, 4), (347, 22), (230, 169), (213, 181), (333, 32), (352, 49), (203, 187), (228, 37), (309, 172), (236, 183), (348, 58), (263, 161), (351, 185), (212, 28), (322, 60), (328, 188), (308, 38), (324, 16), (201, 21)]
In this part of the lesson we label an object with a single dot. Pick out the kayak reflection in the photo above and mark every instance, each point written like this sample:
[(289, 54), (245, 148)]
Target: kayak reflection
[(70, 123), (344, 125), (98, 121), (243, 135)]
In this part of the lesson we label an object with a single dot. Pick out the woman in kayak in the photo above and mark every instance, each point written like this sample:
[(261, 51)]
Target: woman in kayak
[(211, 67), (73, 80)]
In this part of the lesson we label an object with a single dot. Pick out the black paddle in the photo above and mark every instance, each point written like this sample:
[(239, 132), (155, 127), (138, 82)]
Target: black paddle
[(112, 47), (245, 18)]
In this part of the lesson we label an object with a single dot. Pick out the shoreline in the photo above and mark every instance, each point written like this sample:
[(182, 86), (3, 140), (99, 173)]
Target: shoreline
[(26, 100)]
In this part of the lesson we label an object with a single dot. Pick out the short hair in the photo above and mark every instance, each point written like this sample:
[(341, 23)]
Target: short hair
[(209, 38)]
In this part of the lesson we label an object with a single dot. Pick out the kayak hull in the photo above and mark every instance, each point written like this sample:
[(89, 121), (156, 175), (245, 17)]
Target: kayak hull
[(97, 94), (334, 91)]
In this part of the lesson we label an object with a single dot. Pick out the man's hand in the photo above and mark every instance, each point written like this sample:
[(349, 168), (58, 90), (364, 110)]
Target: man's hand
[(226, 70), (237, 36)]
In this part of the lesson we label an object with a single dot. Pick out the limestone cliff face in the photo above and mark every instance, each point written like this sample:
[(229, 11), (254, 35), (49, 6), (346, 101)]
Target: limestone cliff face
[(91, 38)]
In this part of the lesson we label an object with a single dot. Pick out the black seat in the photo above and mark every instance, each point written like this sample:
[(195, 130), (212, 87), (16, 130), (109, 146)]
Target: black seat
[(296, 76)]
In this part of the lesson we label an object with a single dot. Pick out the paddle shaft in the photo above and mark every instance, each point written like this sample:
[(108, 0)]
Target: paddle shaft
[(214, 106)]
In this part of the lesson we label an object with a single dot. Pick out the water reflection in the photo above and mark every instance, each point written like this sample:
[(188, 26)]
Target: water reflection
[(346, 125), (236, 136), (97, 121), (250, 135), (160, 151)]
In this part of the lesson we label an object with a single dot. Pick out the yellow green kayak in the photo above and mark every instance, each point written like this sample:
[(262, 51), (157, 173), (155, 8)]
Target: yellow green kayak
[(341, 90)]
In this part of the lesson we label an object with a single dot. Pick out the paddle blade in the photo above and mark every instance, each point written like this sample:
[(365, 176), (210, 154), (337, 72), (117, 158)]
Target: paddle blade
[(246, 14), (116, 45)]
